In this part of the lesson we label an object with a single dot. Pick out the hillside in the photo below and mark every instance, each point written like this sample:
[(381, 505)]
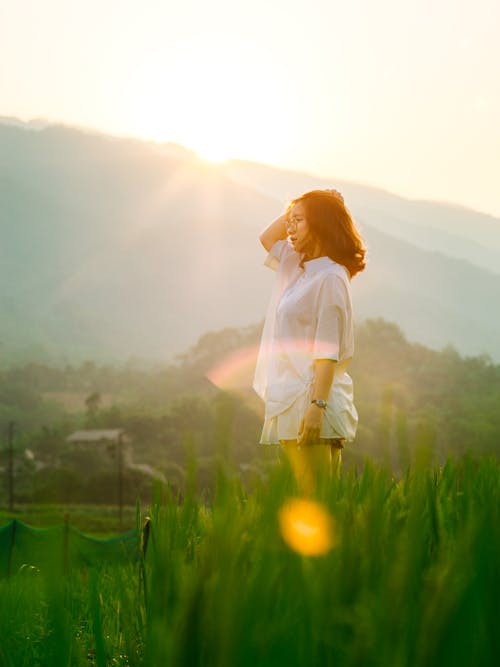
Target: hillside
[(117, 248), (447, 228)]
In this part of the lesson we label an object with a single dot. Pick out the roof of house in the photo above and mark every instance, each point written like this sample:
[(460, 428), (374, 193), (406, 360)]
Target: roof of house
[(96, 435)]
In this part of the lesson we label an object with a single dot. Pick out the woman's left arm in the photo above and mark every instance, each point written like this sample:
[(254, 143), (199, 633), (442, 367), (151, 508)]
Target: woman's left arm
[(310, 428)]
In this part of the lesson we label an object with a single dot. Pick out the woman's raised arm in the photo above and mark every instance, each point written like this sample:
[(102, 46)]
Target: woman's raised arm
[(275, 232)]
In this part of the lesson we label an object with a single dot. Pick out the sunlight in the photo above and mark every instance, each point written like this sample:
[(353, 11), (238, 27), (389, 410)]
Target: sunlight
[(214, 155), (235, 370), (219, 107)]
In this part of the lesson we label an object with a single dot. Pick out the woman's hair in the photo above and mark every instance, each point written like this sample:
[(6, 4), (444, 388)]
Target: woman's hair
[(331, 223)]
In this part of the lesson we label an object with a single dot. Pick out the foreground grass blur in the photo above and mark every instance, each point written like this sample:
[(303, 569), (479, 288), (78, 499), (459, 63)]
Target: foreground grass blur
[(98, 520), (369, 570)]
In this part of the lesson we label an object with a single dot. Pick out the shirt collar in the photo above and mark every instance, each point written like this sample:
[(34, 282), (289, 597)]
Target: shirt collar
[(317, 264)]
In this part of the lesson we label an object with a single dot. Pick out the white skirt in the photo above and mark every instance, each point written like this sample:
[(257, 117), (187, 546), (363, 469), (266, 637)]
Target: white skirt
[(285, 426)]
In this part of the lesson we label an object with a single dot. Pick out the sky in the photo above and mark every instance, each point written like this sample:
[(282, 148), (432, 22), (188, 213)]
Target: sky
[(398, 94)]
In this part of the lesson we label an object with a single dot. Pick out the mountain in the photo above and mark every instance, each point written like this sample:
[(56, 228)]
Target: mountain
[(448, 228), (115, 247)]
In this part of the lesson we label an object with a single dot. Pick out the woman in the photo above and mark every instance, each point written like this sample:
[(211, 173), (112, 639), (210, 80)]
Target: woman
[(307, 341)]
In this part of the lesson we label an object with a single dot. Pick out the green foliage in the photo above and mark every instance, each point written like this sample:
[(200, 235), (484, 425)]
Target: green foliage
[(410, 400), (413, 579), (443, 399), (98, 520)]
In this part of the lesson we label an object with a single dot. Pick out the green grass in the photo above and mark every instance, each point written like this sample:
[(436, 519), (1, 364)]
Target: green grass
[(98, 520), (413, 580)]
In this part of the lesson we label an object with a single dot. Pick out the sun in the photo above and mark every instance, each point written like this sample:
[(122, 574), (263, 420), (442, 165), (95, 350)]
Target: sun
[(214, 153), (213, 158), (217, 107)]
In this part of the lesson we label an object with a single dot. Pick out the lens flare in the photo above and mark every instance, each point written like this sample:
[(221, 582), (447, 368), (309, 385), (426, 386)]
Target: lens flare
[(307, 527), (235, 370)]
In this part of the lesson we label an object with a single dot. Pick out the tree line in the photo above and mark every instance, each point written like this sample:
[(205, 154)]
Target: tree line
[(410, 399)]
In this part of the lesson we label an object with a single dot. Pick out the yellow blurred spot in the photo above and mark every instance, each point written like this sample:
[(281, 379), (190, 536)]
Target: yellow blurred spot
[(307, 527)]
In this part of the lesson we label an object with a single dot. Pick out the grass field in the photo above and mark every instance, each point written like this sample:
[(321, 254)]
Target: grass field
[(368, 570), (98, 520)]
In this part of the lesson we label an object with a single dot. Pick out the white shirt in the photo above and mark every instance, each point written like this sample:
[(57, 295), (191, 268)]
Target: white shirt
[(309, 317)]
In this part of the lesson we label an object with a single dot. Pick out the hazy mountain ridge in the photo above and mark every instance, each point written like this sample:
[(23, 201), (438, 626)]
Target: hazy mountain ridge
[(451, 229), (440, 298), (113, 248)]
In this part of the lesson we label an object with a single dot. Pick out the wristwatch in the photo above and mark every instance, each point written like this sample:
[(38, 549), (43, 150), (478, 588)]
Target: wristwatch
[(319, 402)]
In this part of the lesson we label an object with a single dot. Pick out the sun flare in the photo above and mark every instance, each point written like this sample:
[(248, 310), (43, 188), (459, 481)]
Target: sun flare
[(221, 108), (216, 154), (307, 527)]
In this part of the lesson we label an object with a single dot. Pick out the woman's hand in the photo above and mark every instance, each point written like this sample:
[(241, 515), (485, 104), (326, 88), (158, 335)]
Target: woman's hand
[(310, 426), (275, 232)]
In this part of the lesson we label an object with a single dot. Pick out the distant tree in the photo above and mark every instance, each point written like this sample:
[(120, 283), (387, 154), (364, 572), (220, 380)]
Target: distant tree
[(92, 403), (215, 345)]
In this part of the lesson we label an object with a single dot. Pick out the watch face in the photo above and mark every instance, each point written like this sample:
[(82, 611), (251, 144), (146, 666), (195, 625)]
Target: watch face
[(320, 403)]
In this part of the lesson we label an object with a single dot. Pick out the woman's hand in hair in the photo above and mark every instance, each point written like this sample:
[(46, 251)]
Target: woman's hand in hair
[(275, 232)]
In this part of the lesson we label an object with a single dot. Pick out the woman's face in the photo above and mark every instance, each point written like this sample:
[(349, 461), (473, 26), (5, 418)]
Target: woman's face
[(298, 230)]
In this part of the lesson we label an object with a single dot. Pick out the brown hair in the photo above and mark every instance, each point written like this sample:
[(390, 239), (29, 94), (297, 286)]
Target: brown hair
[(331, 223)]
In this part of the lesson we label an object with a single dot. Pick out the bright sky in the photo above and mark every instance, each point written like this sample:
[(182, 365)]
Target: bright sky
[(401, 94)]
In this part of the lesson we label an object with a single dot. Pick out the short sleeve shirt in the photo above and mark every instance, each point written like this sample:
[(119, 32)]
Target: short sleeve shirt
[(309, 317)]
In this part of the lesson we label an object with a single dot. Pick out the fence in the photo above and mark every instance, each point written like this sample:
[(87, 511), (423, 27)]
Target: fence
[(63, 547)]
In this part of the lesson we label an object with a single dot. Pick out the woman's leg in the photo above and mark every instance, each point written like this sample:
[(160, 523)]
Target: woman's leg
[(310, 462), (300, 465), (336, 460)]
